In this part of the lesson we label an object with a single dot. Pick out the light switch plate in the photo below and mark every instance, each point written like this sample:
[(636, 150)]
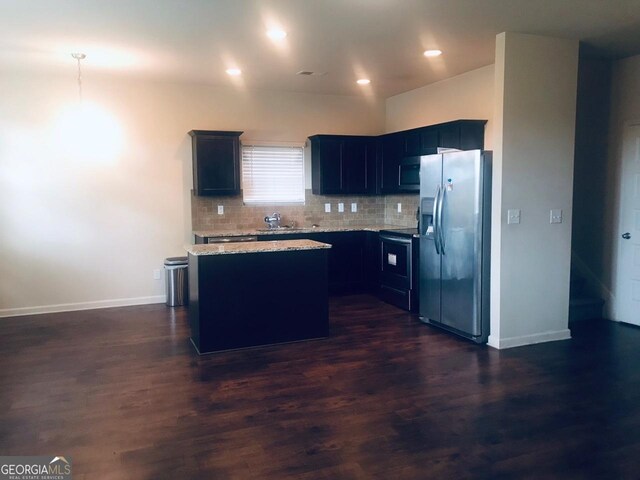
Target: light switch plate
[(327, 208), (555, 216), (354, 207), (220, 209), (513, 217), (341, 207), (399, 207)]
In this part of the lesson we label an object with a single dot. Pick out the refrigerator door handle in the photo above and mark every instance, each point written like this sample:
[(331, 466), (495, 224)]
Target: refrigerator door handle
[(440, 232), (436, 233)]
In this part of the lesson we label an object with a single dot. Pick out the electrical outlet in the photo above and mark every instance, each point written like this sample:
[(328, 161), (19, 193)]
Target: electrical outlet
[(220, 209), (354, 207), (341, 207), (327, 208), (555, 216), (156, 274), (399, 207), (513, 217)]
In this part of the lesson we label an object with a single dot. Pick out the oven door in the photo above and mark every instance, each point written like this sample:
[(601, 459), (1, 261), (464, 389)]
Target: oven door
[(395, 276)]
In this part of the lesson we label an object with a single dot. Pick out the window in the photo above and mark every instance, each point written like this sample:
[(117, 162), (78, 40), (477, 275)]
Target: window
[(272, 174)]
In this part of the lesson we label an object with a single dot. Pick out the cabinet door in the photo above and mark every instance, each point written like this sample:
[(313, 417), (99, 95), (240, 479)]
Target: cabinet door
[(412, 143), (346, 258), (472, 135), (392, 152), (462, 134), (346, 261), (216, 165), (449, 136), (358, 165), (429, 140), (326, 165), (372, 262)]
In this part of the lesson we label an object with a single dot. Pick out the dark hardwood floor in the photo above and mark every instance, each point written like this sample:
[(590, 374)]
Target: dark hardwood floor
[(123, 394)]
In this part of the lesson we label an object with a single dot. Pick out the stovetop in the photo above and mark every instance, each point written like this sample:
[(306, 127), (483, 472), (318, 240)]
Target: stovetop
[(402, 232)]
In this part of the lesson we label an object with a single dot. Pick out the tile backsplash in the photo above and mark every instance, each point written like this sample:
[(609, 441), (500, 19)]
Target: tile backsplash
[(237, 215), (371, 210), (407, 217)]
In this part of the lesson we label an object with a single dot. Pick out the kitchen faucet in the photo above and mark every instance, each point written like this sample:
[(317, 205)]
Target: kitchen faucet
[(273, 221)]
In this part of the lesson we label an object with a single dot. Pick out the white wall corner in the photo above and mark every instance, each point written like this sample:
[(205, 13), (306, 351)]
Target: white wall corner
[(503, 343)]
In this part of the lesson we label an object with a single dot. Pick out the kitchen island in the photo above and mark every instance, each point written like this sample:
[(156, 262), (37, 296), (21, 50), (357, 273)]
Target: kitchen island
[(257, 293)]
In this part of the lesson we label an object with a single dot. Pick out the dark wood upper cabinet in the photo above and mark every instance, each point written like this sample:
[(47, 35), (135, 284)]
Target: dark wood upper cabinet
[(460, 134), (429, 140), (343, 164), (326, 164), (392, 149), (347, 164), (359, 165), (413, 142), (216, 162)]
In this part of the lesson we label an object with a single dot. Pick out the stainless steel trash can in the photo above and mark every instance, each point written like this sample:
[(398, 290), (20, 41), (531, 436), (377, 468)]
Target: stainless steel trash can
[(177, 281)]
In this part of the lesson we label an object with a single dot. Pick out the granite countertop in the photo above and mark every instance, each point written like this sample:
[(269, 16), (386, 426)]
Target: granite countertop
[(254, 247), (280, 231)]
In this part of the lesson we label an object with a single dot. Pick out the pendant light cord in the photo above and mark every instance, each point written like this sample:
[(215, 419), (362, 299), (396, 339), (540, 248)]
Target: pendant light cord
[(79, 81), (78, 57)]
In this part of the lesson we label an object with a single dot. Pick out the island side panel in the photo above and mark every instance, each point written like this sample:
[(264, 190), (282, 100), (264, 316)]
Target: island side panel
[(194, 303), (261, 298)]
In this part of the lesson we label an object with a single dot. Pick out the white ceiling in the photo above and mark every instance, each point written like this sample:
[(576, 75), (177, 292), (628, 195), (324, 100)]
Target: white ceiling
[(196, 40)]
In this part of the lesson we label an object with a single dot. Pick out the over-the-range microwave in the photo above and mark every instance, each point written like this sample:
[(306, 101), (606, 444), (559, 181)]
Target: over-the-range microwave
[(409, 170), (409, 174)]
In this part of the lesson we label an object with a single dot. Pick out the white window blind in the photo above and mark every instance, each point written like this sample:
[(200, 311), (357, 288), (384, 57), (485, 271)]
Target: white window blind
[(272, 174)]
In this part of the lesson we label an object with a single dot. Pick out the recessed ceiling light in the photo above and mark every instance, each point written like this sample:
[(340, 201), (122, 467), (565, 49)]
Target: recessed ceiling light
[(234, 72), (363, 81), (432, 53), (276, 34)]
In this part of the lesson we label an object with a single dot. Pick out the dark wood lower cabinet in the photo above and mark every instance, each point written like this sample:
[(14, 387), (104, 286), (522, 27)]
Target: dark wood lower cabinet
[(348, 258), (353, 264), (372, 262), (251, 299)]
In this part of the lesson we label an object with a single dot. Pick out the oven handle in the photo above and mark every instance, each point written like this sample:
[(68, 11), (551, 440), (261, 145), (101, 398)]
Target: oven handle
[(390, 239)]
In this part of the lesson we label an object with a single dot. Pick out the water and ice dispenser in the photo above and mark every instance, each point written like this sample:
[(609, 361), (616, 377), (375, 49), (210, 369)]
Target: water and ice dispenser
[(426, 217)]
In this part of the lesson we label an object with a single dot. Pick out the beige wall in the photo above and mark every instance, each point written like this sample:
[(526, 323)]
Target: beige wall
[(536, 80), (625, 109), (466, 96), (76, 233)]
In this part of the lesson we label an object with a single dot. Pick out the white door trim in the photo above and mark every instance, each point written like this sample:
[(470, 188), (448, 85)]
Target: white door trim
[(622, 272)]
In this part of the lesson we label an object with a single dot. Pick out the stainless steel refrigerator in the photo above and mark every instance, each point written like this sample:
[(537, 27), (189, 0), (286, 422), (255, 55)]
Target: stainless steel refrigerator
[(455, 229)]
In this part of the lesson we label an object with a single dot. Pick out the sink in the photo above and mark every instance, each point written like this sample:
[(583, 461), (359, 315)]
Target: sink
[(281, 229)]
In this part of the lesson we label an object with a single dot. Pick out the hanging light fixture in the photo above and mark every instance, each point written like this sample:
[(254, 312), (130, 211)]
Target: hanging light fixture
[(85, 131), (79, 57)]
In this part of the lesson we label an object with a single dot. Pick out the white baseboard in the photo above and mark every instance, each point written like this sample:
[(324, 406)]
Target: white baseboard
[(69, 307), (502, 343)]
